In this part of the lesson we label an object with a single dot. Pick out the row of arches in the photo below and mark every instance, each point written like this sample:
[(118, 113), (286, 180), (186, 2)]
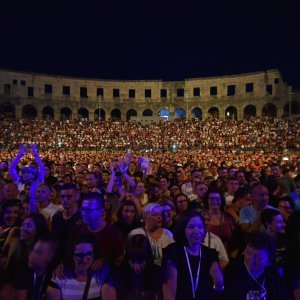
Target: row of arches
[(29, 111)]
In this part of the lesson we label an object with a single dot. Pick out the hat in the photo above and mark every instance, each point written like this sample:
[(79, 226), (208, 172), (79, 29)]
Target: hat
[(30, 169)]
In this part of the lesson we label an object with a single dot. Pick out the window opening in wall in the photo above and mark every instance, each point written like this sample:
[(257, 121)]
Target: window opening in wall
[(15, 81), (6, 89), (213, 90), (180, 92), (196, 92), (83, 92), (100, 92), (249, 87), (147, 93), (66, 90), (276, 80), (116, 93), (163, 93), (230, 90), (48, 88), (30, 91), (131, 93), (269, 89), (23, 82)]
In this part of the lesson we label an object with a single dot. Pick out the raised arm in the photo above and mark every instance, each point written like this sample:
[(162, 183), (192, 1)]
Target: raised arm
[(13, 167), (41, 172)]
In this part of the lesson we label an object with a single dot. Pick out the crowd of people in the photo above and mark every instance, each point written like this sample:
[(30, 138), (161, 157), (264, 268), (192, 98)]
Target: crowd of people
[(216, 218), (251, 134)]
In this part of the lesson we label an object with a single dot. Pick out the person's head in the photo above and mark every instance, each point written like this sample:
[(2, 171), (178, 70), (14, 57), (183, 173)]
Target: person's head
[(182, 202), (214, 200), (138, 253), (260, 196), (79, 178), (222, 172), (43, 256), (11, 210), (29, 174), (155, 192), (206, 216), (191, 229), (241, 178), (232, 171), (232, 185), (140, 188), (33, 227), (24, 210), (127, 212), (201, 190), (83, 253), (152, 215), (174, 190), (164, 183), (242, 197), (286, 206), (91, 180), (10, 191), (43, 193), (168, 210), (272, 220), (92, 209), (105, 176), (132, 167), (69, 196), (47, 170), (276, 170), (259, 253)]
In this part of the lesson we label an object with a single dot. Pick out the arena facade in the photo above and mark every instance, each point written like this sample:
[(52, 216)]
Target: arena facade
[(31, 95)]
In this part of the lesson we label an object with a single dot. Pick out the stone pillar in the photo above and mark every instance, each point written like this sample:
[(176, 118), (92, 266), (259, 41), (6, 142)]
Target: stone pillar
[(18, 112), (240, 113), (91, 116)]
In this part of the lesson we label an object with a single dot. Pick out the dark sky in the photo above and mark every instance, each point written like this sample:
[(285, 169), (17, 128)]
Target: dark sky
[(145, 39)]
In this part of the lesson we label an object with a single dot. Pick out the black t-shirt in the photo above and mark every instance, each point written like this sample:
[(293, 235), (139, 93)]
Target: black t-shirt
[(175, 254)]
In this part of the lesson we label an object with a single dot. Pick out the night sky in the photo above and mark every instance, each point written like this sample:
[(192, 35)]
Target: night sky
[(168, 40)]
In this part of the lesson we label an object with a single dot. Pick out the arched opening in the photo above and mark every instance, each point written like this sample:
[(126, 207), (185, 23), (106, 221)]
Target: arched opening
[(147, 113), (180, 113), (48, 113), (269, 110), (231, 113), (197, 113), (295, 108), (83, 113), (100, 116), (130, 113), (29, 112), (213, 112), (7, 110), (164, 113), (65, 114), (116, 114), (249, 111)]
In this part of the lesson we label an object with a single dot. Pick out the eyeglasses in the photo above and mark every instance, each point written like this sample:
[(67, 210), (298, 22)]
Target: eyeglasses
[(88, 210), (181, 201), (217, 199), (82, 255), (285, 207)]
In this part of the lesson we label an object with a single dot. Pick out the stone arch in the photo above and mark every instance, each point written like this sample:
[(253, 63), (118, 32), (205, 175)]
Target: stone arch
[(83, 113), (249, 111), (269, 110), (180, 113), (65, 114), (48, 113), (116, 114), (231, 113), (29, 112), (131, 113), (213, 112), (197, 113), (102, 114), (7, 110), (295, 108), (147, 113), (164, 113)]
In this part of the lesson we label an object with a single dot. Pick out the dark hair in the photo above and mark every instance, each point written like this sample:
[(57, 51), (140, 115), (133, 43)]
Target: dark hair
[(267, 215), (179, 234), (264, 242), (95, 196), (11, 203), (69, 186), (40, 223), (139, 248), (240, 193), (127, 203), (84, 239)]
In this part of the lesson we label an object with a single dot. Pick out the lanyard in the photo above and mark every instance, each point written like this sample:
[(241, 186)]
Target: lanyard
[(262, 286), (194, 284), (35, 285)]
